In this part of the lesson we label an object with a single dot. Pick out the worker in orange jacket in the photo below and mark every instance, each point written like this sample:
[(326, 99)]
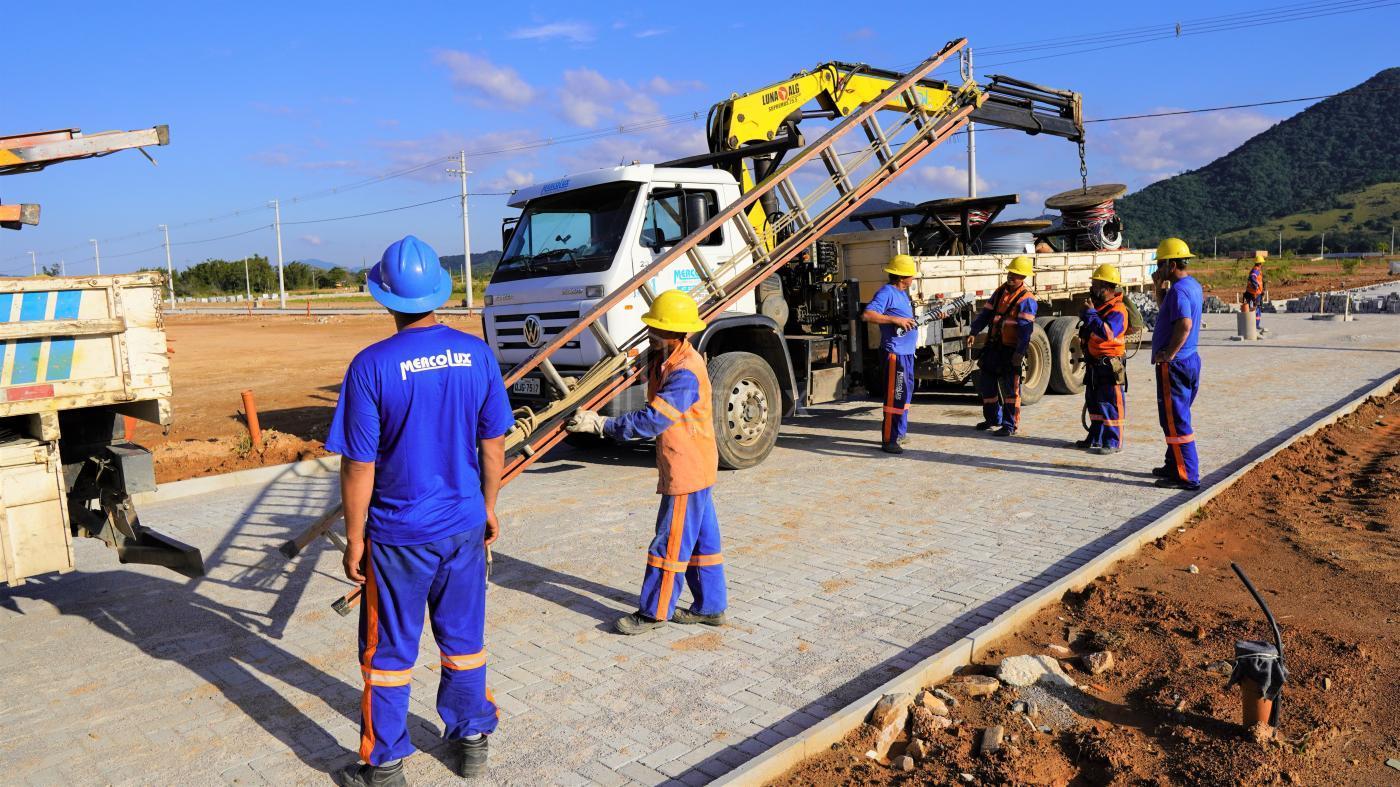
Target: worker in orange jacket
[(1254, 291), (1105, 321), (677, 416)]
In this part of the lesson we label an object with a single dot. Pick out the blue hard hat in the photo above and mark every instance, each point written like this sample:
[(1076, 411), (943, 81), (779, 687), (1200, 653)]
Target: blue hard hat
[(409, 278)]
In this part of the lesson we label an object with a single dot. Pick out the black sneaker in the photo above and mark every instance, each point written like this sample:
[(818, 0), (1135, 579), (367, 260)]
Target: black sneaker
[(1175, 483), (468, 757), (637, 623), (984, 426), (361, 775), (687, 617), (892, 448), (1164, 472), (1005, 431), (1085, 443)]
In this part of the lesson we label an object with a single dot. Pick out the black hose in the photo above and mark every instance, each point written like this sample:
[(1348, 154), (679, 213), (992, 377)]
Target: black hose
[(1278, 635)]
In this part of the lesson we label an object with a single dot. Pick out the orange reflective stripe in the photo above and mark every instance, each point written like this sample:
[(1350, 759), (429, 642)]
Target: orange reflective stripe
[(674, 566), (370, 613), (1181, 440), (387, 677), (990, 399), (1096, 418), (1166, 393), (1122, 421), (664, 407), (896, 410), (706, 560), (469, 661), (673, 548), (891, 361)]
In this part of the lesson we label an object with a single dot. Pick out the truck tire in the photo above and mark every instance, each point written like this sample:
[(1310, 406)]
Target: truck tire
[(747, 408), (1066, 356), (1038, 365)]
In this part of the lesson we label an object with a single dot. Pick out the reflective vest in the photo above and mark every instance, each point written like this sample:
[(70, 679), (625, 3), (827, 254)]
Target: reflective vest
[(1006, 311), (686, 457), (1112, 347), (1255, 285)]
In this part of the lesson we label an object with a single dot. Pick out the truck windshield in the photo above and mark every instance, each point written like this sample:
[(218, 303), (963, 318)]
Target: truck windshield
[(574, 232)]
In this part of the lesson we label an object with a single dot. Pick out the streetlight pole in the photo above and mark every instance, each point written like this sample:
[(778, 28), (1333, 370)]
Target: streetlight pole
[(463, 172), (34, 262), (247, 281), (281, 282), (1215, 247), (1280, 241), (971, 132), (169, 268), (96, 256), (62, 271)]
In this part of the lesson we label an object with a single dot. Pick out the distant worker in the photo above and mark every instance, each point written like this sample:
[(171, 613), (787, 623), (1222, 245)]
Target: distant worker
[(892, 309), (1010, 316), (1254, 291), (678, 417), (1105, 321), (420, 429), (1178, 365)]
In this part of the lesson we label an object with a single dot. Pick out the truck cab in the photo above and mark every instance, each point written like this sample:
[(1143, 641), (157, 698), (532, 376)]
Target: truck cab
[(580, 237)]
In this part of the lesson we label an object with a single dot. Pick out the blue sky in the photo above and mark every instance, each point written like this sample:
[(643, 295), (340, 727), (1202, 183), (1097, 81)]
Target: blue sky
[(293, 100)]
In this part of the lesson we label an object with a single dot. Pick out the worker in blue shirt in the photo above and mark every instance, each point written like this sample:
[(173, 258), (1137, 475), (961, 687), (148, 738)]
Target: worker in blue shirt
[(893, 310), (1174, 339), (1104, 321), (420, 429), (1010, 316), (1254, 291)]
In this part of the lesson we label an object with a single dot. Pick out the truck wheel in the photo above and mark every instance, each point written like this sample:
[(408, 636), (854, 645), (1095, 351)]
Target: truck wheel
[(1066, 356), (747, 407), (1038, 364)]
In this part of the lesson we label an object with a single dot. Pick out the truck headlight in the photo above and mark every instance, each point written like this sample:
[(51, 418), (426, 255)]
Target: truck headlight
[(593, 291), (488, 300)]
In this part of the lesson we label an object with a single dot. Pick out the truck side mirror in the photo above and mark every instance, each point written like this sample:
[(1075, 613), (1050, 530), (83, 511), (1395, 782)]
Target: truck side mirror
[(654, 238), (695, 210)]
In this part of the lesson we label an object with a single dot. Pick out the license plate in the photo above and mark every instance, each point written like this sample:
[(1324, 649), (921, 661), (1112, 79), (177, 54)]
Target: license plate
[(529, 386)]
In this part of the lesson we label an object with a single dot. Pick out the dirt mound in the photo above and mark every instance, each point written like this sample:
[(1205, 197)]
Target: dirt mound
[(193, 458), (1315, 528)]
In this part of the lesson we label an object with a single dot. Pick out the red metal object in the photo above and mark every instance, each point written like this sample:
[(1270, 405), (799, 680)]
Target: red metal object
[(24, 392)]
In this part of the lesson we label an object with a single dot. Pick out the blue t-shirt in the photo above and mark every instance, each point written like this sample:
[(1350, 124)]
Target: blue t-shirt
[(894, 302), (1183, 300), (415, 404)]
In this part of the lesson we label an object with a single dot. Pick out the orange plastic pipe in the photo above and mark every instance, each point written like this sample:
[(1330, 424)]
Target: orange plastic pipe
[(250, 412)]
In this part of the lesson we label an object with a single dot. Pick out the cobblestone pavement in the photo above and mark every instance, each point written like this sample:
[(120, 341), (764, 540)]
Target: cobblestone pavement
[(845, 566)]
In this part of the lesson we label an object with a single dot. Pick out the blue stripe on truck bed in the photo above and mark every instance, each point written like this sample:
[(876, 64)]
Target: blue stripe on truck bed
[(26, 368), (61, 350)]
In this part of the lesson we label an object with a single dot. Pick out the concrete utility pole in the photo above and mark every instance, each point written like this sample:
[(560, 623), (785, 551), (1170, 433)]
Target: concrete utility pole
[(1391, 249), (34, 263), (169, 268), (971, 132), (62, 271), (277, 223), (96, 257), (463, 172), (1322, 250), (247, 280), (1215, 247), (1280, 241)]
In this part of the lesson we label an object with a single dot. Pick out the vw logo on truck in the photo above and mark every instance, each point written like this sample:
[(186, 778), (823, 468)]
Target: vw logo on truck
[(534, 331)]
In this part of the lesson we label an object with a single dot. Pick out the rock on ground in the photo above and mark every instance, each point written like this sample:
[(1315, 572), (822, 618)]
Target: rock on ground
[(1026, 670)]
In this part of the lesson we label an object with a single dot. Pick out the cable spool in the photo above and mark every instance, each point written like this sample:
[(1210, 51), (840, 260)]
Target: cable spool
[(1011, 237), (1087, 218)]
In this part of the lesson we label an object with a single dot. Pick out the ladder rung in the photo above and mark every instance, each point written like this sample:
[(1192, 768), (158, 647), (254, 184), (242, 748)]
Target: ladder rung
[(877, 138), (837, 170), (702, 269), (916, 107), (795, 204), (604, 340), (552, 375), (647, 293), (750, 236)]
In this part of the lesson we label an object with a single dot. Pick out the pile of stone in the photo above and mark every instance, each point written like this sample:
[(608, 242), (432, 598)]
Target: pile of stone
[(1146, 305)]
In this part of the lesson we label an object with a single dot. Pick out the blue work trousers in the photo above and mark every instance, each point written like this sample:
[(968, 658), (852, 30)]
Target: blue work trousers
[(687, 542), (899, 392), (448, 576), (1104, 398), (999, 385), (1178, 382)]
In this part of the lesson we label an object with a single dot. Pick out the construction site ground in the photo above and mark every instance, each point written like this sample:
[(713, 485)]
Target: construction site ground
[(845, 566), (1317, 528)]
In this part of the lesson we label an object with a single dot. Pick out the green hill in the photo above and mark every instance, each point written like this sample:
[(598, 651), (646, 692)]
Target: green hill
[(1322, 162)]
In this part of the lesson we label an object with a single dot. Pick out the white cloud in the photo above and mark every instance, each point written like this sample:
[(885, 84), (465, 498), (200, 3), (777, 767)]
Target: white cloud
[(405, 153), (651, 147), (948, 178), (490, 84), (1161, 147), (511, 179), (577, 32), (587, 98), (651, 32), (314, 240), (298, 157)]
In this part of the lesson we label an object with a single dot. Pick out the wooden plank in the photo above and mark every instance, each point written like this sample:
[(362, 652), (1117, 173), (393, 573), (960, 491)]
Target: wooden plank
[(45, 283), (17, 213), (48, 328)]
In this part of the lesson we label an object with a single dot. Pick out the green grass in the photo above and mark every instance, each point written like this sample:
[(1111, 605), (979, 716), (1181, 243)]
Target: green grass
[(1379, 202)]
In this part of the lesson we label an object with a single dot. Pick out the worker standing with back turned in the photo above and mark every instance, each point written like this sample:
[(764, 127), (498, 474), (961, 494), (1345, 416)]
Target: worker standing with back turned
[(1010, 316), (1178, 365), (677, 416), (893, 310), (1254, 291), (420, 429), (1105, 320)]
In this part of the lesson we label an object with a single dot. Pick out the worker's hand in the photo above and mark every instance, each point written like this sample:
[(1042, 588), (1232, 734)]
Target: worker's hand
[(904, 322), (586, 422), (1160, 357), (493, 527), (354, 561)]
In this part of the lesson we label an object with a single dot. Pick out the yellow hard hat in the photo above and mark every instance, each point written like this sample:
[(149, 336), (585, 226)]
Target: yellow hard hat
[(1173, 249), (1259, 256), (674, 310), (1021, 266), (1108, 273), (902, 265)]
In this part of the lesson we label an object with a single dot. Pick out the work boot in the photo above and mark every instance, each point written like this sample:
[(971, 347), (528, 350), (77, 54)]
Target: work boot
[(637, 623), (1005, 431), (903, 439), (1175, 483), (1085, 443), (1104, 450), (1164, 472), (362, 775), (687, 616), (892, 448), (984, 426), (468, 756)]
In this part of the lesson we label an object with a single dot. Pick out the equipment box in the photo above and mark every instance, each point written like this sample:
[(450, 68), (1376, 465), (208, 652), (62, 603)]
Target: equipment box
[(34, 533)]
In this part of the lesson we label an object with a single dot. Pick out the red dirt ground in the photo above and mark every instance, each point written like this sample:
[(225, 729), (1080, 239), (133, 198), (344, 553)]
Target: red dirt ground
[(1317, 528)]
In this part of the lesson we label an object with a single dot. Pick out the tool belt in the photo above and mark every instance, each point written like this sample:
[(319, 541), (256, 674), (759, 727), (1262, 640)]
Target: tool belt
[(1103, 369)]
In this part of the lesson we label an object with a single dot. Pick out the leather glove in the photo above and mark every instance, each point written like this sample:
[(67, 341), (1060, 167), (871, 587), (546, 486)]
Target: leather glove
[(586, 422)]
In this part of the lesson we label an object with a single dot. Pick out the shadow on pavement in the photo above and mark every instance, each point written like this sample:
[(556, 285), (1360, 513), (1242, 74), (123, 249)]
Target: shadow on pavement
[(561, 588)]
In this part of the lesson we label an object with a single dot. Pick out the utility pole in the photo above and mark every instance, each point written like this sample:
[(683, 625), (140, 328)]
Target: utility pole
[(277, 223), (62, 271), (247, 282), (463, 172), (96, 257), (971, 131), (1391, 249), (169, 268), (34, 262), (1280, 241), (1215, 247), (1322, 250)]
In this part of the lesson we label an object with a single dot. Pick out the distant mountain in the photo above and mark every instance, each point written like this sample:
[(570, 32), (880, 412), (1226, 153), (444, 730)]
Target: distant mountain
[(1318, 161), (483, 263), (322, 264)]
